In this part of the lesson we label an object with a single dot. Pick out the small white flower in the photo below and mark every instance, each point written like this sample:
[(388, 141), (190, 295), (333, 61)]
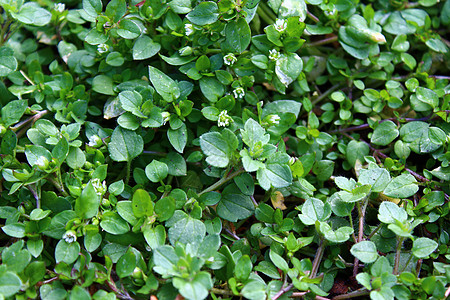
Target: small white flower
[(70, 236), (185, 51), (166, 117), (292, 160), (261, 103), (42, 162), (229, 59), (60, 7), (280, 25), (239, 92), (274, 119), (274, 54), (99, 187), (224, 119), (107, 25), (189, 29), (102, 48), (95, 141)]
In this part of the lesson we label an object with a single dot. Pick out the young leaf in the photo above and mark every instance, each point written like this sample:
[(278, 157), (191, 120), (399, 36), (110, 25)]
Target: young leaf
[(125, 144)]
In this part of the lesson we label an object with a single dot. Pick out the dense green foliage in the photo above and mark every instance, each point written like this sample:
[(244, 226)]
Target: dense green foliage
[(172, 149)]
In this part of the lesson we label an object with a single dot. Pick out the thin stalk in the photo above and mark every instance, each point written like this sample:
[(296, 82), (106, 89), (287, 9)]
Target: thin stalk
[(222, 292), (268, 11), (407, 263), (35, 195), (374, 231), (323, 42), (397, 254), (127, 179), (5, 28), (352, 226), (57, 186), (313, 17), (223, 180), (318, 258), (357, 293), (325, 94), (264, 16), (282, 291)]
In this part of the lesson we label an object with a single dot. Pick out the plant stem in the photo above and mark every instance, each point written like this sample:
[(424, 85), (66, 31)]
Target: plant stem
[(222, 292), (325, 94), (397, 254), (267, 12), (35, 195), (282, 291), (57, 186), (127, 179), (374, 231), (357, 293), (407, 263), (223, 180), (318, 258), (325, 41)]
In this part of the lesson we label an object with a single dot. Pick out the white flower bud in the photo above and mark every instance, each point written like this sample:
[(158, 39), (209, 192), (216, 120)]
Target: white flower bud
[(239, 92), (224, 119), (70, 236), (274, 54), (59, 7), (229, 59), (280, 25), (102, 48), (189, 29)]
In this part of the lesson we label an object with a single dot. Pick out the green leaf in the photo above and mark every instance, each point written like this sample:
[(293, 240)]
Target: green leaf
[(234, 206), (293, 8), (422, 247), (288, 68), (204, 13), (176, 164), (34, 153), (76, 158), (16, 230), (10, 284), (254, 290), (67, 252), (86, 206), (402, 186), (237, 36), (155, 237), (278, 261), (356, 151), (103, 84), (341, 235), (142, 203), (92, 7), (8, 63), (156, 171), (243, 268), (178, 138), (314, 210), (125, 145), (144, 48), (126, 264), (365, 251), (378, 178), (163, 84), (31, 14), (128, 29), (216, 148), (385, 133), (390, 212), (112, 223), (165, 208), (187, 230), (92, 240), (13, 111)]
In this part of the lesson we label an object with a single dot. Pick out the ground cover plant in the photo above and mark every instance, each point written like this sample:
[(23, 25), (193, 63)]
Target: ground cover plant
[(232, 149)]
